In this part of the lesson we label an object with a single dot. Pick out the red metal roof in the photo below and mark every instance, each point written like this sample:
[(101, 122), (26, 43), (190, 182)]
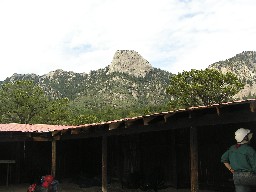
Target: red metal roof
[(15, 127)]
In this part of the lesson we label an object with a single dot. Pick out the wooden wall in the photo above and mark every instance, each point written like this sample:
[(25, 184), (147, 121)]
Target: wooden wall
[(146, 160), (32, 160)]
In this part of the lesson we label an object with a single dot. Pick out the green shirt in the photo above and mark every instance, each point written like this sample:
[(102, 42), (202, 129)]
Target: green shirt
[(242, 158)]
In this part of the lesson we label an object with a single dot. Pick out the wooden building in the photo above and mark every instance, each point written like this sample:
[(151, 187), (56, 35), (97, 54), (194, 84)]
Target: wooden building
[(177, 148)]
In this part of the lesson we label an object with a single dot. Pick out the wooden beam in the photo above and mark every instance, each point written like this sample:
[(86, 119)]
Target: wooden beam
[(81, 136), (75, 131), (218, 110), (55, 133), (212, 119), (226, 118), (153, 119), (53, 169), (173, 122), (253, 107), (134, 129), (17, 139), (56, 138), (41, 139), (132, 122), (104, 163), (194, 159), (116, 125), (167, 116), (64, 131)]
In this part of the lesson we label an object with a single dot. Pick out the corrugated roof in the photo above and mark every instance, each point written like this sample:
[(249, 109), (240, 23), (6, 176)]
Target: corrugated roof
[(15, 127)]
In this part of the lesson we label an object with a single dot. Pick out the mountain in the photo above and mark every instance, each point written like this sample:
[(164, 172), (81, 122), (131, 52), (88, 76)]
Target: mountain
[(129, 83), (130, 62), (244, 66)]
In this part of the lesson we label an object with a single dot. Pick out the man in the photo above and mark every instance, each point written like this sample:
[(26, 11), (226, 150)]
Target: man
[(240, 160)]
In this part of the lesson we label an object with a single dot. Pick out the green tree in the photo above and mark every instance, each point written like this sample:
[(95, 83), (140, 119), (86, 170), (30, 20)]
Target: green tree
[(55, 112), (25, 102), (82, 119), (202, 87)]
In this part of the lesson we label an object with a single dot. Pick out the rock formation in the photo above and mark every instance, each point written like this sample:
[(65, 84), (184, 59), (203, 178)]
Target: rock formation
[(131, 62)]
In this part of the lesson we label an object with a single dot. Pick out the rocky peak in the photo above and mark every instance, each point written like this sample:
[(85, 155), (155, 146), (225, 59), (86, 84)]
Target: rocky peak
[(17, 76), (244, 66), (131, 62), (59, 73)]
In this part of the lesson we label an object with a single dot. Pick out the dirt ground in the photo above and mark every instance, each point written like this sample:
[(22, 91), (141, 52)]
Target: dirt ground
[(70, 187)]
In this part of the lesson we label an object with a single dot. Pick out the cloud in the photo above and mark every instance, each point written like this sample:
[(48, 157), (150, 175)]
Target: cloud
[(175, 35)]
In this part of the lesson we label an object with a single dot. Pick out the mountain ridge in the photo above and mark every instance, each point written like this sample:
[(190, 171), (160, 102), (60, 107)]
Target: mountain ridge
[(114, 87), (244, 66), (122, 86)]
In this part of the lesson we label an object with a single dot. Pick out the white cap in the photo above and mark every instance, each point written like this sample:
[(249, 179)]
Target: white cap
[(241, 133)]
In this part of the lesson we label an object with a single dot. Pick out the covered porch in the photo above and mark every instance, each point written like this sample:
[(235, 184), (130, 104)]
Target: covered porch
[(179, 149)]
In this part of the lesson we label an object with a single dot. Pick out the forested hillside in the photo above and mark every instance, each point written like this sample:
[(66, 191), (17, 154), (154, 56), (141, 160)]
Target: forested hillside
[(109, 94), (129, 86)]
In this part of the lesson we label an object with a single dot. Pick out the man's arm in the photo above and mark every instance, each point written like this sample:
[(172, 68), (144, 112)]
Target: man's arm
[(229, 167)]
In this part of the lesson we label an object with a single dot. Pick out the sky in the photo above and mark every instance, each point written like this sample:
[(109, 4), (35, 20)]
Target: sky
[(39, 36)]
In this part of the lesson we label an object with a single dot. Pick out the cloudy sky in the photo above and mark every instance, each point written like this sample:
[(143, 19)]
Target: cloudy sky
[(39, 36)]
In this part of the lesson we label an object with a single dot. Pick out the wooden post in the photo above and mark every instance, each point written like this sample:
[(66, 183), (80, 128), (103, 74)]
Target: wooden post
[(18, 152), (174, 161), (194, 159), (53, 169), (104, 163), (7, 175)]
